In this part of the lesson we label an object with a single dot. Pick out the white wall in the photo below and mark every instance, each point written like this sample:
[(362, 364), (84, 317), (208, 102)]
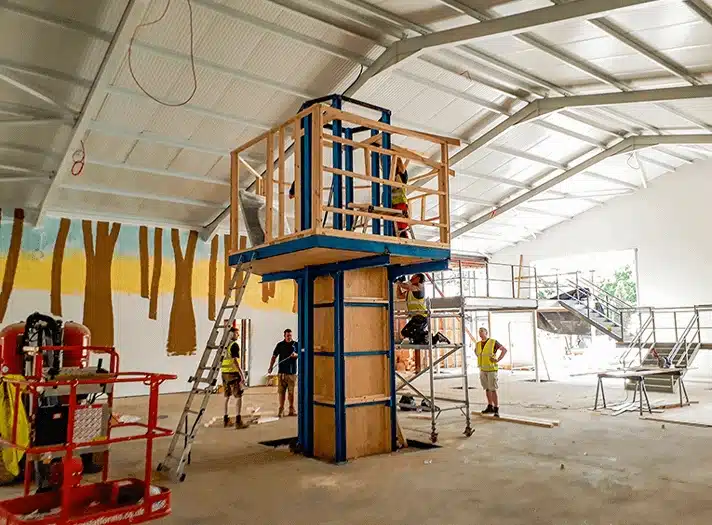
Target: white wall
[(142, 344), (669, 224)]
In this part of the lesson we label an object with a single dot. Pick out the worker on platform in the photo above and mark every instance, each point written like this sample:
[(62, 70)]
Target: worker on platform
[(233, 379), (487, 360), (413, 291), (399, 198), (286, 351)]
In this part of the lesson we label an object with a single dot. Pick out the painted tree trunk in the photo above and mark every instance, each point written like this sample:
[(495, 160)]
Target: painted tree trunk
[(55, 294), (13, 258), (98, 303), (181, 327)]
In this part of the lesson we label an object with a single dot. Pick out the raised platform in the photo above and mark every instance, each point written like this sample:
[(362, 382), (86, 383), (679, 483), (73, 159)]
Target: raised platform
[(298, 251)]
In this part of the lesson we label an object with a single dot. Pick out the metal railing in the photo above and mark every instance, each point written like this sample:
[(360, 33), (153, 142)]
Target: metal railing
[(688, 343), (644, 339)]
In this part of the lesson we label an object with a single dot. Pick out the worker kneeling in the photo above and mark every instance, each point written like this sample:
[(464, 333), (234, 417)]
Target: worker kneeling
[(417, 328), (233, 379)]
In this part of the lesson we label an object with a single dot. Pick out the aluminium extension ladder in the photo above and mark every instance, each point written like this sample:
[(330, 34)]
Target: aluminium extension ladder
[(204, 385)]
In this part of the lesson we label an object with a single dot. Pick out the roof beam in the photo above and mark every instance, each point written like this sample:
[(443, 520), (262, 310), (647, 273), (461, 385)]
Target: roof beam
[(155, 171), (542, 107), (132, 15), (507, 25), (623, 146), (110, 190), (36, 93)]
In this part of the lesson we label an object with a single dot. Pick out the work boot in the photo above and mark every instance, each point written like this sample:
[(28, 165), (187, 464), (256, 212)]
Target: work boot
[(488, 410), (292, 412), (280, 413), (495, 412), (226, 421), (239, 424)]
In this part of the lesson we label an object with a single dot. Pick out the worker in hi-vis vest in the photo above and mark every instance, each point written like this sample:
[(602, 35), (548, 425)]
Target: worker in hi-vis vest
[(399, 198), (233, 379), (413, 291), (487, 360)]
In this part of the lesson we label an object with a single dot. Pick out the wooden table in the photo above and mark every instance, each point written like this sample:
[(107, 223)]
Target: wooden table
[(639, 377)]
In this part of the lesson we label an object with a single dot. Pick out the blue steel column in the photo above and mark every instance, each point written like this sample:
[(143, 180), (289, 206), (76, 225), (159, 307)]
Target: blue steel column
[(306, 362), (301, 387), (392, 364), (306, 198), (388, 226), (375, 188), (339, 372), (338, 219), (348, 181)]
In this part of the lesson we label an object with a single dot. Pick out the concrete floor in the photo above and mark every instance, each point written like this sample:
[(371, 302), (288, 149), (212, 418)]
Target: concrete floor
[(616, 470)]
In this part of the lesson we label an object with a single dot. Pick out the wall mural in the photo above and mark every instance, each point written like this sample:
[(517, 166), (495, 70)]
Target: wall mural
[(97, 260)]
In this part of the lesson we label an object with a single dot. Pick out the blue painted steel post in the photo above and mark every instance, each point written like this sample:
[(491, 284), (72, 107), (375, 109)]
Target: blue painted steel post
[(337, 158), (301, 387), (339, 369), (388, 226), (306, 182), (348, 181), (306, 362), (392, 365), (375, 188)]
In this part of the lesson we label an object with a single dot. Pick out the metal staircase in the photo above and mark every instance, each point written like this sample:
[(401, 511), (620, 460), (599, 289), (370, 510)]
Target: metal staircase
[(590, 302), (681, 352)]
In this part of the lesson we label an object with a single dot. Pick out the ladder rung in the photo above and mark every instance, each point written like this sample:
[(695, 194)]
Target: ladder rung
[(231, 305), (191, 411)]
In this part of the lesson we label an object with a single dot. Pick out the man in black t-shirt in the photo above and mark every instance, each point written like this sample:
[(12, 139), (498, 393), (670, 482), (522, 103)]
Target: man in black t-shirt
[(286, 351)]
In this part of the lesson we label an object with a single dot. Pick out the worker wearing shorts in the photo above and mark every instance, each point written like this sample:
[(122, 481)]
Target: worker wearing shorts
[(487, 360), (286, 352), (233, 379)]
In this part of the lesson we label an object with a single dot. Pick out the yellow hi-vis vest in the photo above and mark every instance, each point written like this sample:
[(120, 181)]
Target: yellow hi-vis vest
[(485, 353), (414, 305), (398, 196), (228, 363)]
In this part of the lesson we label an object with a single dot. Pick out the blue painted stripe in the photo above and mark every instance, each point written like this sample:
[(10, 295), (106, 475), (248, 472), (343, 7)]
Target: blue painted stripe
[(366, 352), (339, 369), (386, 402), (392, 368)]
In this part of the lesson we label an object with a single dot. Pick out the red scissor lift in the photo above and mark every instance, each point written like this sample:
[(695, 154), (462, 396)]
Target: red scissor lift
[(70, 502)]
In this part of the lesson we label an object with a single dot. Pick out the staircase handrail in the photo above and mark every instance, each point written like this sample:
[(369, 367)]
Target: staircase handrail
[(682, 340), (605, 314), (577, 279), (637, 342)]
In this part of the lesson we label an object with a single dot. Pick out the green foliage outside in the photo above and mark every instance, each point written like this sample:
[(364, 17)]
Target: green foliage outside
[(622, 285)]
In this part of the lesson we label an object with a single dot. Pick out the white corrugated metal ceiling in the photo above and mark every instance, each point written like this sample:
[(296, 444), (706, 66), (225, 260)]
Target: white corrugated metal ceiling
[(256, 61)]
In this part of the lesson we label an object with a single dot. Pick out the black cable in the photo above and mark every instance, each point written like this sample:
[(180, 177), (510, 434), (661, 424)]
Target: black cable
[(354, 82), (192, 57)]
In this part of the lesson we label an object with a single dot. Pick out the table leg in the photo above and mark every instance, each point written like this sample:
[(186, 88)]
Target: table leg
[(679, 387), (682, 384), (598, 389), (645, 391), (640, 386), (603, 393)]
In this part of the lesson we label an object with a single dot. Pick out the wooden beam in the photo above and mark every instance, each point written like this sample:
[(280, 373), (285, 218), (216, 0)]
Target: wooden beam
[(387, 182), (296, 135), (269, 180), (444, 201), (332, 114), (383, 216), (395, 151), (523, 420), (234, 200), (317, 167), (282, 212)]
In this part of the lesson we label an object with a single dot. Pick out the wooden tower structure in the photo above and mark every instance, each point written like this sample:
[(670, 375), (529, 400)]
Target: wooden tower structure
[(340, 246)]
